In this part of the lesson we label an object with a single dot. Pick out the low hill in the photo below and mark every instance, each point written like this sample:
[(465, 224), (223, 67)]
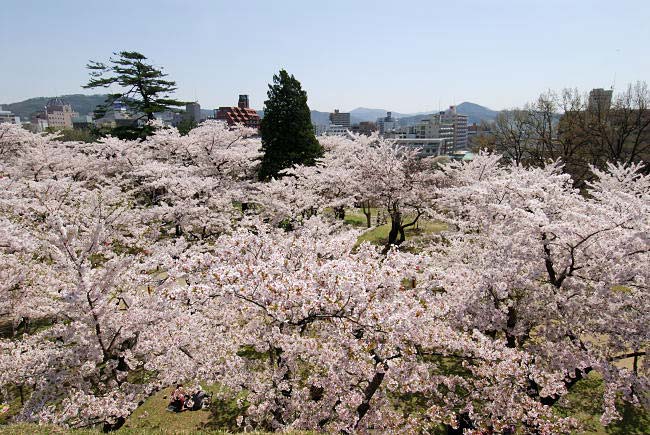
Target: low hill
[(476, 112), (365, 114), (83, 104)]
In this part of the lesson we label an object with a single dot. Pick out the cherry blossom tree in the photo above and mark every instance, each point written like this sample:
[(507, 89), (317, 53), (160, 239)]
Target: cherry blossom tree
[(540, 267), (324, 338), (129, 266)]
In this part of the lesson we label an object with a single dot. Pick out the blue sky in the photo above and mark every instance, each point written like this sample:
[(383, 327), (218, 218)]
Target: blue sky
[(407, 56)]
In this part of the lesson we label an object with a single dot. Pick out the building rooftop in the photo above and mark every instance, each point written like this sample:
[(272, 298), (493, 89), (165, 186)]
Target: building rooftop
[(56, 102), (237, 115)]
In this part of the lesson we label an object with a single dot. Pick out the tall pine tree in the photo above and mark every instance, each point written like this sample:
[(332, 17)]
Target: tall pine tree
[(144, 88), (287, 133)]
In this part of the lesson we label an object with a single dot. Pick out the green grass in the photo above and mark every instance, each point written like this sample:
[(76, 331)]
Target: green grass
[(151, 417), (355, 217), (379, 235), (31, 429), (584, 403)]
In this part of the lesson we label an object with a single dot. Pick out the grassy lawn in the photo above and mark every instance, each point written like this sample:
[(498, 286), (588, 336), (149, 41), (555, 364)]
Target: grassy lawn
[(31, 429), (151, 417), (584, 402), (379, 235), (355, 217)]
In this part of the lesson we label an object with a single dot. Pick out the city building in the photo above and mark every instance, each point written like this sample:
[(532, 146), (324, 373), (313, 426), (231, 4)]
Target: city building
[(83, 122), (461, 155), (365, 127), (475, 131), (59, 114), (38, 122), (458, 122), (600, 100), (448, 125), (387, 124), (193, 112), (336, 130), (243, 102), (118, 116), (8, 117), (340, 118), (428, 147), (242, 114), (319, 129)]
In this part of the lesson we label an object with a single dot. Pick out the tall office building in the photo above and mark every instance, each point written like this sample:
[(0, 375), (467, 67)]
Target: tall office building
[(387, 124), (600, 100), (193, 112), (458, 122), (340, 118), (449, 126)]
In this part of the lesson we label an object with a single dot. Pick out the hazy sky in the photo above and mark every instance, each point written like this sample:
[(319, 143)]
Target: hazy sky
[(407, 56)]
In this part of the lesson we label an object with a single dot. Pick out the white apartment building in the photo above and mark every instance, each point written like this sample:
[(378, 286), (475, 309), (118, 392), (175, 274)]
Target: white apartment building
[(6, 116), (458, 123), (336, 130), (388, 124), (428, 147), (448, 125)]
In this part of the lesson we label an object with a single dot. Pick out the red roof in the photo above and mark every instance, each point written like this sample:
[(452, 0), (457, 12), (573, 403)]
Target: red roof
[(238, 115)]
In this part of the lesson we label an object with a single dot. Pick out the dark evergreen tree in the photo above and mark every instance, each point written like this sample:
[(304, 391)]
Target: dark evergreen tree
[(287, 133), (145, 90)]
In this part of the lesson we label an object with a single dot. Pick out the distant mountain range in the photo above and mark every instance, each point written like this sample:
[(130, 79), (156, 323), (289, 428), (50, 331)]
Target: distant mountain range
[(85, 105), (476, 113)]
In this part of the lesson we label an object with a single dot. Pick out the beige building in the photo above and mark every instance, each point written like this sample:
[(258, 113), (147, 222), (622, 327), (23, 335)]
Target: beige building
[(59, 114), (600, 100)]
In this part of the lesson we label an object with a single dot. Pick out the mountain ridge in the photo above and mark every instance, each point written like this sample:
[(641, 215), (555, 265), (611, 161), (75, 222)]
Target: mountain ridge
[(85, 104)]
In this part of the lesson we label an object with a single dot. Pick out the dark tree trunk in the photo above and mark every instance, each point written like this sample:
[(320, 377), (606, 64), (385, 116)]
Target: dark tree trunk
[(395, 228), (365, 207), (464, 422), (110, 427)]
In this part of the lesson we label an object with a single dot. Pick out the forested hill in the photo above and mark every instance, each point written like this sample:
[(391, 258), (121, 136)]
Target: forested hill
[(83, 104)]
